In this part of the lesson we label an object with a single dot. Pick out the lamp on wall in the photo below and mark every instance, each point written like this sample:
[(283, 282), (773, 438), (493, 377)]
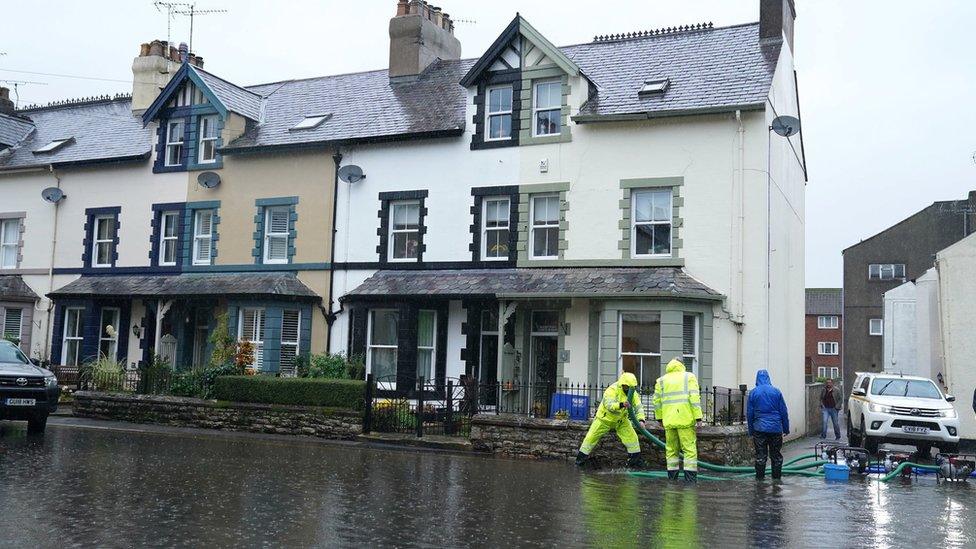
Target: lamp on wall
[(136, 330)]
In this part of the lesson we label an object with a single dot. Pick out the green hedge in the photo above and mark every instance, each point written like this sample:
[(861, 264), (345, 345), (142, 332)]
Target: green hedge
[(337, 393)]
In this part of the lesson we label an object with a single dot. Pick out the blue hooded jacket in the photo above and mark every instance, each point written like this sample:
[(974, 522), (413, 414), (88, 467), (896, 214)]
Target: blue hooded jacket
[(766, 409)]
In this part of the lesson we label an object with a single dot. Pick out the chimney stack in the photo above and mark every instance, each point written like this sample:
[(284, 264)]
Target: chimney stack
[(6, 105), (157, 62), (776, 20), (419, 35)]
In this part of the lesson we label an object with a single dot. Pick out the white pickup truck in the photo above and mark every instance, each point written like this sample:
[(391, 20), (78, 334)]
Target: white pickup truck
[(901, 409)]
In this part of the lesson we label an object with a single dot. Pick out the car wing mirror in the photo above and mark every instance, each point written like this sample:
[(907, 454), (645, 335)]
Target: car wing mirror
[(950, 398), (858, 392)]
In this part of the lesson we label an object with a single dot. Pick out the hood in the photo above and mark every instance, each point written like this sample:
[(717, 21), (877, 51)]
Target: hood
[(675, 366), (627, 379), (17, 369), (762, 378)]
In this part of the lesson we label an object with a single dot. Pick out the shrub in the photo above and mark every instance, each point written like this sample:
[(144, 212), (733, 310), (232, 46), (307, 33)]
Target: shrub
[(224, 345), (105, 374), (327, 366), (339, 393)]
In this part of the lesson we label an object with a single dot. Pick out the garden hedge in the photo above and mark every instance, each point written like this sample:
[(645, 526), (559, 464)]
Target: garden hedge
[(338, 393)]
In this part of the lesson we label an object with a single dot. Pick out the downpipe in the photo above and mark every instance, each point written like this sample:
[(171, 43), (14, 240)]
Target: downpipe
[(50, 271)]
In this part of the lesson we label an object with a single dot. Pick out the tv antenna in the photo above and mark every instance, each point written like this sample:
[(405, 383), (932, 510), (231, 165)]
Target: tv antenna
[(186, 9), (16, 84)]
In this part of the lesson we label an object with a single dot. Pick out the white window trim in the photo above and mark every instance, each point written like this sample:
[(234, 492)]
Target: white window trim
[(392, 231), (828, 322), (258, 344), (822, 372), (169, 140), (102, 336), (489, 113), (268, 235), (432, 347), (620, 343), (387, 385), (485, 229), (828, 348), (694, 357), (536, 110), (296, 343), (548, 225), (65, 338), (96, 241), (834, 372), (213, 124), (634, 223), (20, 325), (163, 239), (15, 245), (198, 236), (892, 267), (871, 330)]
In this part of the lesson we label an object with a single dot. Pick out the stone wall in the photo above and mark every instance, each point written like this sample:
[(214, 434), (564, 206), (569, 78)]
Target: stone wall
[(523, 437), (208, 414)]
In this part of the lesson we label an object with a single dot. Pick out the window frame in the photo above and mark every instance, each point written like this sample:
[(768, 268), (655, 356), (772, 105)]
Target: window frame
[(20, 323), (828, 322), (211, 120), (173, 144), (549, 225), (258, 344), (102, 337), (164, 239), (432, 348), (536, 109), (695, 358), (634, 224), (370, 346), (269, 234), (296, 343), (489, 113), (96, 241), (871, 331), (880, 268), (198, 237), (392, 230), (485, 229), (79, 336), (5, 245), (828, 348), (620, 344)]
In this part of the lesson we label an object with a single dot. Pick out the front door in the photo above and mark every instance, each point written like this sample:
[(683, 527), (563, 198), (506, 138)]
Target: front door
[(200, 334), (544, 343)]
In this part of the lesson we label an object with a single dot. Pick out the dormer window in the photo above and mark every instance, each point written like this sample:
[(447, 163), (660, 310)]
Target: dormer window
[(54, 145), (312, 121), (547, 108), (654, 86), (208, 139), (499, 113), (174, 143)]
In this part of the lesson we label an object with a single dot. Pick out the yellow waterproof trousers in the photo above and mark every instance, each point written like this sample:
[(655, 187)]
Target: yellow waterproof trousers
[(684, 441), (600, 427)]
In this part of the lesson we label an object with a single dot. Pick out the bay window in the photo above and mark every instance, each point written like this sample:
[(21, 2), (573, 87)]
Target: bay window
[(291, 321), (640, 346), (108, 334), (251, 329)]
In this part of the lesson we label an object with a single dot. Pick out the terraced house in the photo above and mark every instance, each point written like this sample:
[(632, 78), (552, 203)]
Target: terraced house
[(539, 214)]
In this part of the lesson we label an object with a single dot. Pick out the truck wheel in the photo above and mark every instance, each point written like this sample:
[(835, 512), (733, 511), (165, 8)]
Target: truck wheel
[(853, 438), (871, 444), (949, 449), (924, 450), (37, 425)]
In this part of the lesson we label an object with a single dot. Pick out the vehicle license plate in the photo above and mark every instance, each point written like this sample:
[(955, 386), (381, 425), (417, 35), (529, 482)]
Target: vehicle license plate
[(21, 401), (915, 429)]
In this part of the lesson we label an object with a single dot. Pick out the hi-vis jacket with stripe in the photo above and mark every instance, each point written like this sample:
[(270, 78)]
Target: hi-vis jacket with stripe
[(677, 402), (610, 409)]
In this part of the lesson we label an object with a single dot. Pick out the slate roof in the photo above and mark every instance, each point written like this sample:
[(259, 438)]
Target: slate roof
[(234, 97), (274, 285), (13, 288), (13, 129), (825, 301), (541, 283), (103, 131)]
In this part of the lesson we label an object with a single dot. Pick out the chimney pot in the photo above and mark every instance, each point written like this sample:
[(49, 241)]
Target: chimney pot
[(156, 48), (143, 50), (6, 105), (420, 34), (184, 52), (402, 7)]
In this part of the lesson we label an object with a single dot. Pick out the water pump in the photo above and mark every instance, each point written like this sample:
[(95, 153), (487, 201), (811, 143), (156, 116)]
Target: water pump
[(955, 467)]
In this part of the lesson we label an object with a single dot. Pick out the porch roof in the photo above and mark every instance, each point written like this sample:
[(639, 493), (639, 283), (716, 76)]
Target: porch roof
[(594, 282), (13, 288), (273, 285)]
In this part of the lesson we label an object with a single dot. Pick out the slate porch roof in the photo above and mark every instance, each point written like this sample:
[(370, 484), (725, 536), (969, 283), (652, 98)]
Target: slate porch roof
[(825, 301), (13, 288), (272, 285), (593, 282)]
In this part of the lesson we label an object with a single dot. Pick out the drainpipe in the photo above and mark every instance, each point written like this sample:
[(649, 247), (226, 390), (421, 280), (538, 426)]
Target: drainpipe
[(50, 271), (330, 315), (740, 261)]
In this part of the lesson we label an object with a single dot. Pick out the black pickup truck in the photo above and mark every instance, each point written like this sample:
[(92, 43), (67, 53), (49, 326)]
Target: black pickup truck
[(27, 392)]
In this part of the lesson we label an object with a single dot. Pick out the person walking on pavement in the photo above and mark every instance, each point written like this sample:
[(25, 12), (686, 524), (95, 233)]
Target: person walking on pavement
[(768, 421), (612, 415), (830, 404), (677, 405)]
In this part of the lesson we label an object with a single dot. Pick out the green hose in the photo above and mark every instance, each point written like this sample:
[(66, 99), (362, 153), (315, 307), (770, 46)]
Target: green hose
[(902, 466), (664, 474)]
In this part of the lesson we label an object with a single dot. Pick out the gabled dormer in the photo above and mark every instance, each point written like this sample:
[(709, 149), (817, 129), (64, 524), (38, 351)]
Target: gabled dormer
[(523, 86), (197, 113)]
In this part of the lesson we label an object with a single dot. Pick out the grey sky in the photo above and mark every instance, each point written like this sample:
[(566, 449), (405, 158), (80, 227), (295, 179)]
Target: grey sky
[(886, 87)]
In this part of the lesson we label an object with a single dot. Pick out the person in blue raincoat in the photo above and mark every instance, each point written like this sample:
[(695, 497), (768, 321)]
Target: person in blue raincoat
[(768, 421)]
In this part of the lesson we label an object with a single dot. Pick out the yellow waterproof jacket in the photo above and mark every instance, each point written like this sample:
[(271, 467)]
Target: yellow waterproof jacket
[(610, 409), (677, 402)]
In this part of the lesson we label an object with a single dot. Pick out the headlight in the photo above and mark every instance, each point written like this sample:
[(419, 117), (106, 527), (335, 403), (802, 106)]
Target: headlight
[(951, 412), (879, 408), (50, 381)]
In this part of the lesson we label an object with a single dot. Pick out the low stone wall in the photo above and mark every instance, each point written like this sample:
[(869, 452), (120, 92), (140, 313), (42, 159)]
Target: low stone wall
[(228, 416), (523, 437)]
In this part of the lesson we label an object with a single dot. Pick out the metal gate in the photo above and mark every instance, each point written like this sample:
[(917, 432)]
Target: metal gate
[(419, 406)]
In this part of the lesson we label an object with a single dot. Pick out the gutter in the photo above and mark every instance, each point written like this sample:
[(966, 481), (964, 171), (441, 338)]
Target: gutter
[(336, 143), (73, 163), (650, 115)]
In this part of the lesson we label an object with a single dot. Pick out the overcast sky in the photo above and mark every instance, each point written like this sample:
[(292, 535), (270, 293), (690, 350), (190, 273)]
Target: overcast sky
[(886, 87)]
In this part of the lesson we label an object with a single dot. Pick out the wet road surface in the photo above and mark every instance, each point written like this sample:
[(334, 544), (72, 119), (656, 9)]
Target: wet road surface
[(80, 486)]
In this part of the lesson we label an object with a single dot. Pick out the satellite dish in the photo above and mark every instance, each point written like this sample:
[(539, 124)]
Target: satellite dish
[(52, 195), (208, 180), (351, 174), (785, 125)]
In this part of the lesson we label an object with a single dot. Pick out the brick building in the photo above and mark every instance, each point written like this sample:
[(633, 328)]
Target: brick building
[(824, 333)]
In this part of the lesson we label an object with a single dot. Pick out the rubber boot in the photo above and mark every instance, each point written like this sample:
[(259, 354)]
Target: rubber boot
[(777, 471), (691, 476), (673, 475), (760, 471), (635, 460), (581, 459)]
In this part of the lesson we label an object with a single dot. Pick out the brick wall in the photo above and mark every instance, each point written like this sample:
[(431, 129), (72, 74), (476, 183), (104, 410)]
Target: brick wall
[(815, 335)]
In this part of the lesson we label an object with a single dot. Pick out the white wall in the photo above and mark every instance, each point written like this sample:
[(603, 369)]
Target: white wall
[(900, 351), (957, 296)]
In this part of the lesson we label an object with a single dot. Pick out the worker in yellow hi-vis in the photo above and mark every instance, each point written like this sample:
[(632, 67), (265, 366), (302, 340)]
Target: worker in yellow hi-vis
[(677, 405), (613, 416)]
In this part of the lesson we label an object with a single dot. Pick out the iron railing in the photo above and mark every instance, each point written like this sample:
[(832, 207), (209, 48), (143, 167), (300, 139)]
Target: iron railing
[(146, 381)]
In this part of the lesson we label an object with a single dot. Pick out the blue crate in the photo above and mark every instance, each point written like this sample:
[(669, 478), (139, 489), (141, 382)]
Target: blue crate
[(578, 406), (833, 471)]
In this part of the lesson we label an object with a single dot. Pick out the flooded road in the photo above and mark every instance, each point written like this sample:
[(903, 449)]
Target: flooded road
[(94, 487)]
